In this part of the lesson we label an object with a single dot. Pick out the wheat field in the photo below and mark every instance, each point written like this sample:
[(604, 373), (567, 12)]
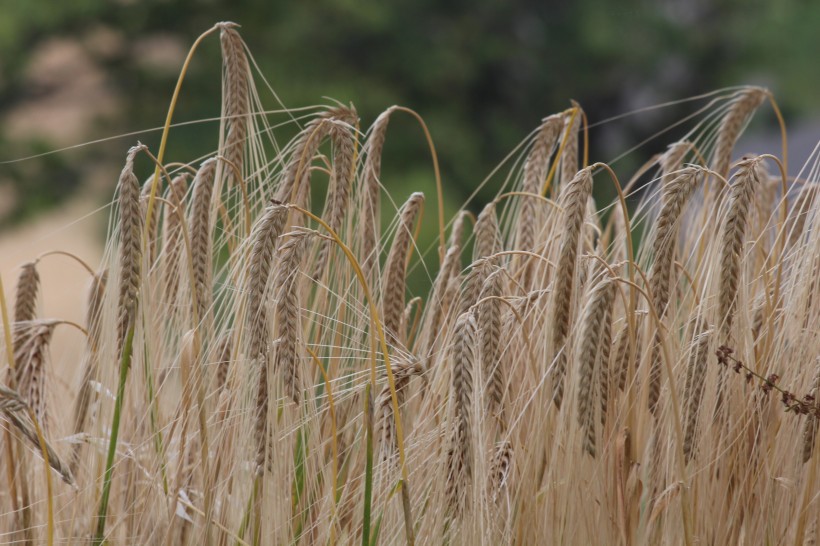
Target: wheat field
[(256, 370)]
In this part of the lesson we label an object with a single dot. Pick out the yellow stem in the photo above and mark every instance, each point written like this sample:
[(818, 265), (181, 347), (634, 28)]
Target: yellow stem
[(167, 127), (70, 255), (437, 173), (528, 194), (783, 138)]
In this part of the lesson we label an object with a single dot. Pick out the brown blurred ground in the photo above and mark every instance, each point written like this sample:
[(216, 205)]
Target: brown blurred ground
[(63, 282)]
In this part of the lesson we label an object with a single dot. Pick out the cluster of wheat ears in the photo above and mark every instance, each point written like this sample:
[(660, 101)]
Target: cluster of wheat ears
[(255, 372)]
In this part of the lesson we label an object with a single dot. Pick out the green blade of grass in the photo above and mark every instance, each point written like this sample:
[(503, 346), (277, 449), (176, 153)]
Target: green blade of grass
[(368, 472), (125, 365)]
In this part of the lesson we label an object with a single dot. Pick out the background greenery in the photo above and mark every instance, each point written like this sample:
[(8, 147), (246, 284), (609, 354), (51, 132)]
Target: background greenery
[(481, 72)]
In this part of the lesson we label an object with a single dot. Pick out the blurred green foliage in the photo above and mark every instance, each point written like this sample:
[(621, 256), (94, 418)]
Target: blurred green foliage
[(482, 73)]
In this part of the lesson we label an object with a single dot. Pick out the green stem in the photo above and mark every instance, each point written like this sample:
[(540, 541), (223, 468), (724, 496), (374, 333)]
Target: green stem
[(368, 472), (246, 518), (125, 365)]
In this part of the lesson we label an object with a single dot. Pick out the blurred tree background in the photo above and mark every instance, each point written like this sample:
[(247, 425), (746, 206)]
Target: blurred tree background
[(482, 74)]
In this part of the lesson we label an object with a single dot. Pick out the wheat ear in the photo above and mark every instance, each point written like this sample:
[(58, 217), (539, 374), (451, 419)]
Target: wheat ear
[(740, 110), (693, 390), (224, 351), (264, 237), (487, 236), (130, 239), (672, 159), (30, 362), (460, 453), (458, 228), (235, 93), (620, 365), (443, 292), (569, 156), (605, 375), (16, 410), (535, 173), (25, 299), (393, 285), (574, 202), (263, 246), (344, 163), (595, 322), (487, 242), (403, 371), (589, 242), (500, 469), (199, 222), (676, 192), (459, 473), (489, 325), (151, 232), (371, 191), (287, 317), (297, 171), (748, 177), (441, 297), (173, 244), (464, 360)]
